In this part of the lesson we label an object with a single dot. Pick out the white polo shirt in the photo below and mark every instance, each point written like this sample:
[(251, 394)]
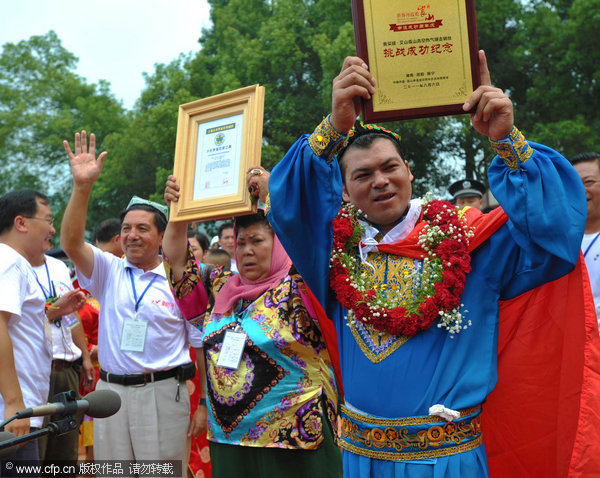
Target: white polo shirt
[(590, 245), (57, 279), (28, 328), (167, 333)]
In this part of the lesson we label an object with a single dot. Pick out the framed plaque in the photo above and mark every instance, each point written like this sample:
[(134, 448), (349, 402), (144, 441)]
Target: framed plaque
[(423, 55), (218, 139)]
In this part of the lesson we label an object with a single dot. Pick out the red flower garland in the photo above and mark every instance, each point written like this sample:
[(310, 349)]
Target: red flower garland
[(444, 241)]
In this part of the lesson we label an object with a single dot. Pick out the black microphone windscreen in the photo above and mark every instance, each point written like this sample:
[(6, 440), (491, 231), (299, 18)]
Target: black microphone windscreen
[(6, 453), (103, 403)]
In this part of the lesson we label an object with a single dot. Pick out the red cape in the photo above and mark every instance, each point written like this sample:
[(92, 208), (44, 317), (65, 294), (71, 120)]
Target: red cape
[(543, 417), (483, 225)]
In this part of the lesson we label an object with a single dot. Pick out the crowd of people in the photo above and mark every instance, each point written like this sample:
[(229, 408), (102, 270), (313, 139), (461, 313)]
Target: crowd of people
[(348, 329)]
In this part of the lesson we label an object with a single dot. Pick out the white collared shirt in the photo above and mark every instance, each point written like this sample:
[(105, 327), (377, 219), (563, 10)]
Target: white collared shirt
[(590, 245), (63, 346), (28, 328), (168, 333)]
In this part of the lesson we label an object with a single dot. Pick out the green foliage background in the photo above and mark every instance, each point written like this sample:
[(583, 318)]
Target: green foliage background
[(542, 53)]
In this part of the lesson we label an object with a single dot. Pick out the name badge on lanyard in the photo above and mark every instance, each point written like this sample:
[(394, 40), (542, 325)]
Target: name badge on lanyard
[(232, 349), (49, 297), (133, 335)]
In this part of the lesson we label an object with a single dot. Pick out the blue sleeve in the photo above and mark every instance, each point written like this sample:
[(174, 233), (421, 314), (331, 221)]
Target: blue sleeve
[(305, 195), (545, 202)]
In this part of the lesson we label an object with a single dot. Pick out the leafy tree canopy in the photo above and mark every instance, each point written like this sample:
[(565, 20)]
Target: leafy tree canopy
[(42, 102), (542, 52)]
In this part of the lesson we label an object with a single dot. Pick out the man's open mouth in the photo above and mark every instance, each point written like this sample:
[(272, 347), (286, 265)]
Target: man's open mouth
[(384, 197)]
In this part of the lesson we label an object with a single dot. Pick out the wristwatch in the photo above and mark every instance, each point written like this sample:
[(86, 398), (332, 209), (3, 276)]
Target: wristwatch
[(202, 401)]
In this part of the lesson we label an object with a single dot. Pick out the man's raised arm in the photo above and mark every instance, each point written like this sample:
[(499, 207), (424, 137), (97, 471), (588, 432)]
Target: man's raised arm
[(85, 168), (174, 243)]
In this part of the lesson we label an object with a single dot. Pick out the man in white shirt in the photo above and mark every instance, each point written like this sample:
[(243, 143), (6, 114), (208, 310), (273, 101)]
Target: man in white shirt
[(107, 236), (26, 228), (69, 352), (142, 336), (588, 167)]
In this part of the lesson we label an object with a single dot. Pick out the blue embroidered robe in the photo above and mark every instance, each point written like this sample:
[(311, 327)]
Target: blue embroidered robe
[(544, 199)]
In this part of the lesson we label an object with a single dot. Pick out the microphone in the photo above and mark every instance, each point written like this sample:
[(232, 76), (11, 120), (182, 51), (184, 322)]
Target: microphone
[(98, 404)]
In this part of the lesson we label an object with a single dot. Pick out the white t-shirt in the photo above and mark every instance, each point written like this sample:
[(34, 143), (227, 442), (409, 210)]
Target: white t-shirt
[(28, 328), (56, 279), (590, 245), (167, 333)]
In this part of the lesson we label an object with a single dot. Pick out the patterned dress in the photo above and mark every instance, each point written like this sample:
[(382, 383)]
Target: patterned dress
[(283, 391)]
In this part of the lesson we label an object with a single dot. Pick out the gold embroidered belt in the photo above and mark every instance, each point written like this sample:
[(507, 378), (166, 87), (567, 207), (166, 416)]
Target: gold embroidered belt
[(413, 438)]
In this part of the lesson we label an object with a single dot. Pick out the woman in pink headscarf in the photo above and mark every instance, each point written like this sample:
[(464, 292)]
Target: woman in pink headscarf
[(270, 389)]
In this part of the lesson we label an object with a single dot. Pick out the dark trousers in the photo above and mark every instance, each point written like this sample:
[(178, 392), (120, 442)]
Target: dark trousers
[(28, 454), (62, 448)]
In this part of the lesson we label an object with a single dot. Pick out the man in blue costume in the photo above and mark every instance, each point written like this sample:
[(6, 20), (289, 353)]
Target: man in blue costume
[(413, 399)]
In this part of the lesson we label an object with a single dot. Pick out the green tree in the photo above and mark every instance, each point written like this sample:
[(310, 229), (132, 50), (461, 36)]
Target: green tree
[(560, 59), (541, 52), (42, 102)]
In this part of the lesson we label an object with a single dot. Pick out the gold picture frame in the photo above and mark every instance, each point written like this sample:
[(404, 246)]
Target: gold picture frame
[(218, 139)]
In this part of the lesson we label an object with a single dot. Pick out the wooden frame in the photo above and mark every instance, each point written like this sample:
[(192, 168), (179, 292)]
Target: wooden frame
[(424, 56), (218, 139)]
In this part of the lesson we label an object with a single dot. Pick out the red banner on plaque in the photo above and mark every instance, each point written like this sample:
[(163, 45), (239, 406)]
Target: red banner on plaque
[(415, 26)]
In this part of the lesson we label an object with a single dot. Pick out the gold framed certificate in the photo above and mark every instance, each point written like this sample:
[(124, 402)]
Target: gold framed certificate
[(423, 55), (218, 139)]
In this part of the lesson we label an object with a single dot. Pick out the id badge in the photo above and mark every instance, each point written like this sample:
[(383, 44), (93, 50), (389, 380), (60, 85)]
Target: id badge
[(232, 349), (133, 338)]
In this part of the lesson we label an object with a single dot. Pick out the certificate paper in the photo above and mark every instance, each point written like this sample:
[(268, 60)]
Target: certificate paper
[(420, 53), (217, 157)]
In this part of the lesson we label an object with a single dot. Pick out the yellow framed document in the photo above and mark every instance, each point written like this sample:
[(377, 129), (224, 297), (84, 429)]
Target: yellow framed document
[(423, 55), (218, 139)]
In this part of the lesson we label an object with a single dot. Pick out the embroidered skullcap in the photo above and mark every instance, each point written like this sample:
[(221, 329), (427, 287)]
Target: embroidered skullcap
[(361, 129), (164, 210)]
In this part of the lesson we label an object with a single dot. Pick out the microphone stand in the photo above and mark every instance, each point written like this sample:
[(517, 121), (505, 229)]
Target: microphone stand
[(60, 427)]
